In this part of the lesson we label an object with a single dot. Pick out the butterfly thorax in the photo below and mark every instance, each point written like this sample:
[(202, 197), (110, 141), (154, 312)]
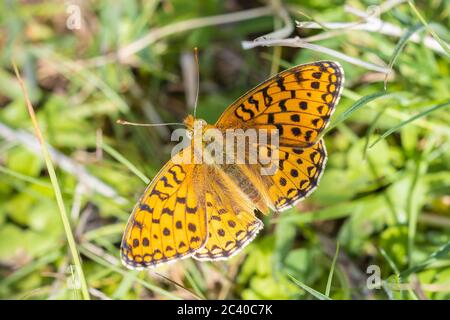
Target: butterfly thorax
[(198, 133), (241, 176)]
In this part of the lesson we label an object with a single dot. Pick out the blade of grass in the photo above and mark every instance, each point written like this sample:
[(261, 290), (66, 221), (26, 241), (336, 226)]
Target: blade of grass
[(178, 285), (33, 294), (298, 42), (46, 259), (414, 203), (398, 278), (370, 131), (330, 275), (355, 107), (373, 169), (389, 201), (429, 29), (412, 212), (194, 285), (399, 47), (443, 251), (57, 190), (403, 123), (389, 261), (124, 287), (30, 179), (76, 73), (311, 18), (25, 178), (123, 272), (397, 114), (115, 229), (394, 268), (116, 155), (386, 285), (277, 51), (310, 290)]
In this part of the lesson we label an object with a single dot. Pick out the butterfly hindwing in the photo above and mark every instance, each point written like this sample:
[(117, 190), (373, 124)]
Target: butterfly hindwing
[(232, 223), (297, 174), (228, 231), (298, 102)]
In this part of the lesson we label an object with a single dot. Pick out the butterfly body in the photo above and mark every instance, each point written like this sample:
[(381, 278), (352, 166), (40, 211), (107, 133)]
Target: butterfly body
[(205, 206)]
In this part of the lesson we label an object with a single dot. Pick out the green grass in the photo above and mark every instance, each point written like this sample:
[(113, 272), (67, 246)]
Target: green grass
[(330, 275), (382, 200), (80, 280)]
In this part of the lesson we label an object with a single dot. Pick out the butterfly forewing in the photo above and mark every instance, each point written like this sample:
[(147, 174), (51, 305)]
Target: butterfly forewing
[(298, 102), (169, 221)]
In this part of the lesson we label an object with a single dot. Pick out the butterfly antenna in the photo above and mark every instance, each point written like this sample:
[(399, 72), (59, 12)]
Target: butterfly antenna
[(127, 123), (198, 81)]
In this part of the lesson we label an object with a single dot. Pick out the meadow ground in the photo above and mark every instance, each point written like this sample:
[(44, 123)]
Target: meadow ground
[(382, 209)]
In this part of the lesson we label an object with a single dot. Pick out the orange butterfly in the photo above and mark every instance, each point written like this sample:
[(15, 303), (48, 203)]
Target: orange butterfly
[(207, 211)]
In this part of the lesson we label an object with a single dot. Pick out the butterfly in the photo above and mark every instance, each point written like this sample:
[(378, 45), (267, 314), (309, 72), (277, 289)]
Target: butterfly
[(209, 211)]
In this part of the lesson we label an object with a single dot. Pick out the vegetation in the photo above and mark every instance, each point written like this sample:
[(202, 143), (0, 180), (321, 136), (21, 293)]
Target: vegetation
[(383, 204)]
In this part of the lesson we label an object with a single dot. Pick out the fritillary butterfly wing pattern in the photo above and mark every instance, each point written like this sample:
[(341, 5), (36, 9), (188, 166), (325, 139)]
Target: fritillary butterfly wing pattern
[(168, 222), (209, 214), (298, 102)]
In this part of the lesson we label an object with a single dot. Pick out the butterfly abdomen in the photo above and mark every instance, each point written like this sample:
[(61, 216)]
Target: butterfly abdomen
[(245, 182)]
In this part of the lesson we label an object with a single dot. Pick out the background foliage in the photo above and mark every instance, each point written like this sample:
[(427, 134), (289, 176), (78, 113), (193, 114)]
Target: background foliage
[(386, 205)]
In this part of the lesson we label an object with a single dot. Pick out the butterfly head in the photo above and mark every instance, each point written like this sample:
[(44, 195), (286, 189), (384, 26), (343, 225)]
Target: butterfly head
[(195, 126)]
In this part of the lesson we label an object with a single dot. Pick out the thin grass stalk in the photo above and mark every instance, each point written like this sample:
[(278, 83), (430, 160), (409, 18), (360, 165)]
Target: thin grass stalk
[(59, 199)]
